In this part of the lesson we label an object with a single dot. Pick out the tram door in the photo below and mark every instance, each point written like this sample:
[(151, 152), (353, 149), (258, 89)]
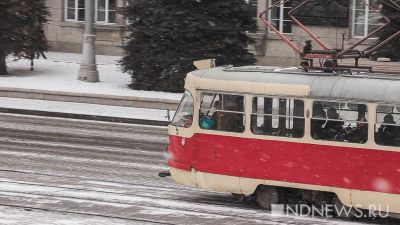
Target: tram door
[(220, 117), (277, 117), (182, 129)]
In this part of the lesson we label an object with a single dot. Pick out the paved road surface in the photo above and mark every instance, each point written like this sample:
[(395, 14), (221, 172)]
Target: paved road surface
[(60, 171)]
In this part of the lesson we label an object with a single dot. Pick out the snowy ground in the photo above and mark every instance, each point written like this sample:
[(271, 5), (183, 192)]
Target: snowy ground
[(60, 71), (24, 216), (71, 172), (85, 109)]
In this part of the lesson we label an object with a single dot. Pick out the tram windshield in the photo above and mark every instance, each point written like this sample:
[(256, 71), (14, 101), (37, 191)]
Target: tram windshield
[(184, 115)]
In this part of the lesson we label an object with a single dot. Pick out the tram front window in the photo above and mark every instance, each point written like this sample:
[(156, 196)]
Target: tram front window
[(222, 112), (387, 127), (184, 115)]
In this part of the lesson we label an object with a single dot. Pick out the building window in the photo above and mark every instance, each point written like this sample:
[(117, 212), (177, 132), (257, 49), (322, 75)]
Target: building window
[(364, 19), (387, 127), (222, 112), (106, 11), (278, 117), (339, 121), (279, 16), (75, 10)]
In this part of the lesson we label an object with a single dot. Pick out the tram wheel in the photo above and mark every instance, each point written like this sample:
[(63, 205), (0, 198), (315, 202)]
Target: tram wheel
[(266, 196), (342, 211)]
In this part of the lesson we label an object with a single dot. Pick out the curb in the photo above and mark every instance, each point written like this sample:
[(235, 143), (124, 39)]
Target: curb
[(100, 99), (83, 117)]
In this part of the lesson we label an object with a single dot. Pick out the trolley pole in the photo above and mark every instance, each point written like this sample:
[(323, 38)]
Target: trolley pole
[(88, 71)]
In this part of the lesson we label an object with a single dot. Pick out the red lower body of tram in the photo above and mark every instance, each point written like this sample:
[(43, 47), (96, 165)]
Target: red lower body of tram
[(322, 165)]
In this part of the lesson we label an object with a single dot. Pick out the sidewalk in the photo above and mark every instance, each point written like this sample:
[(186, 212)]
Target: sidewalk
[(85, 111), (53, 90), (53, 87), (60, 71)]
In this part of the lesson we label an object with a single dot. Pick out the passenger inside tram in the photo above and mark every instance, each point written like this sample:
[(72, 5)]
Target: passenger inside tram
[(359, 134), (338, 121), (334, 126), (318, 121), (388, 131)]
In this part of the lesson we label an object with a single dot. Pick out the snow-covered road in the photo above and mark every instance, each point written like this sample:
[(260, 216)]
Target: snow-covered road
[(61, 171)]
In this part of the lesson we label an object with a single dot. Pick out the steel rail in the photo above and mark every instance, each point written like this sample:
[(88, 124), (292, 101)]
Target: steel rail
[(83, 213), (69, 188)]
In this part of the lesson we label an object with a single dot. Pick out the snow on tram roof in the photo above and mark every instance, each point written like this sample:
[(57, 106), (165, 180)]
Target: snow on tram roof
[(362, 86)]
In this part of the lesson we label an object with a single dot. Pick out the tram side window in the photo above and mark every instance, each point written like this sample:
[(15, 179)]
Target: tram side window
[(278, 117), (184, 115), (387, 127), (339, 121), (222, 112)]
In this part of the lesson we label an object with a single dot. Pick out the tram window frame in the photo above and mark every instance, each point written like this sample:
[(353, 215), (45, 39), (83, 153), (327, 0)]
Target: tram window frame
[(222, 116), (381, 134), (180, 119), (352, 130), (275, 122)]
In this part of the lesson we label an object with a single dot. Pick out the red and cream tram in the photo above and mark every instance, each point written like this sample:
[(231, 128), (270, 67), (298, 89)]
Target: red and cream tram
[(269, 132)]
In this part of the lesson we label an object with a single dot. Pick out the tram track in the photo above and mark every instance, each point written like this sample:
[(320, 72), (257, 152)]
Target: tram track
[(64, 161), (85, 214), (153, 187), (234, 206), (210, 209), (82, 139), (133, 171), (236, 211), (96, 153)]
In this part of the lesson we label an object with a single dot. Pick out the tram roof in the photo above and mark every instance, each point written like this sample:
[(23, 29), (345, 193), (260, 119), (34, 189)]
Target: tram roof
[(360, 87)]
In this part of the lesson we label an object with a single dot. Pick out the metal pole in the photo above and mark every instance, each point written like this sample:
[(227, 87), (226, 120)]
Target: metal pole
[(88, 71)]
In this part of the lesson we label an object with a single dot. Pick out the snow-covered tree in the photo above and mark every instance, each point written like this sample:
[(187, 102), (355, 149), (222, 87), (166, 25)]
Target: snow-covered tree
[(21, 31), (391, 9), (167, 36)]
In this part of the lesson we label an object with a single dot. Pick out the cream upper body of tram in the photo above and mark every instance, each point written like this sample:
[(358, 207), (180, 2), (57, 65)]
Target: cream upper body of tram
[(272, 130)]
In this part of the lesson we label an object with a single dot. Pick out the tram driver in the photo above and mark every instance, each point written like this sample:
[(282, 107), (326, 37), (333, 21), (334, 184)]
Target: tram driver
[(387, 131), (217, 121), (210, 122), (217, 115)]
